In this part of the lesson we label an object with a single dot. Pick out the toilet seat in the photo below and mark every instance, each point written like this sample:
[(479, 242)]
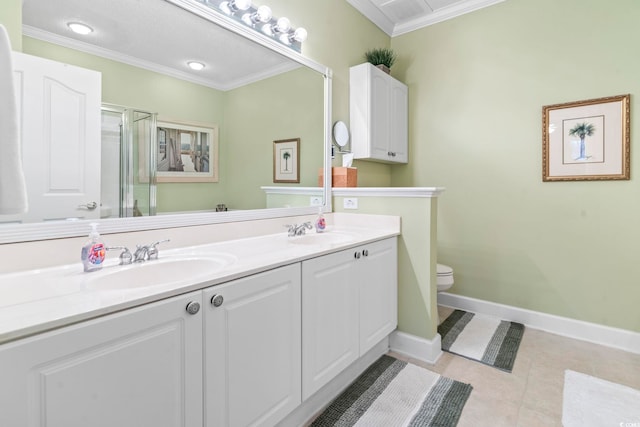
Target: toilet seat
[(444, 270)]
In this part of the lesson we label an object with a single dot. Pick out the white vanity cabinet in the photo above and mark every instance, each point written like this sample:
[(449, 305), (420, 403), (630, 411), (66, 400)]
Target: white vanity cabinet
[(139, 367), (378, 113), (377, 269), (349, 304), (252, 349)]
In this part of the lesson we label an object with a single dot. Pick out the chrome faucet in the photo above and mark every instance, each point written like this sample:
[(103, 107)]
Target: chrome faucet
[(125, 255), (147, 252), (298, 230)]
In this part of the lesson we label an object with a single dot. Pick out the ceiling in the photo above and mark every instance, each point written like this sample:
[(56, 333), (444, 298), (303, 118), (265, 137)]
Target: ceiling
[(154, 35), (396, 17), (162, 37)]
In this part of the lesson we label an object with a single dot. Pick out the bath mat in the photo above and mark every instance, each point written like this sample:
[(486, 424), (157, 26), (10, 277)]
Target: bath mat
[(394, 393), (592, 402), (486, 339)]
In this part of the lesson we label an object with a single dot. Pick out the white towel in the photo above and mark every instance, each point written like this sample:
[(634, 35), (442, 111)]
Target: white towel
[(13, 190)]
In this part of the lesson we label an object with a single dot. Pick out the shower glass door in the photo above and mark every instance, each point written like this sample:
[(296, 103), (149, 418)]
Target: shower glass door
[(128, 162)]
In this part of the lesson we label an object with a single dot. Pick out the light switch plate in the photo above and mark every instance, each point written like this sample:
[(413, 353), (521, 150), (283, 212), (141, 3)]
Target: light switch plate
[(351, 203)]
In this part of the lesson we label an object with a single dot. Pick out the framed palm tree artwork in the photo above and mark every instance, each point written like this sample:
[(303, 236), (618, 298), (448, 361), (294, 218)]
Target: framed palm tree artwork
[(586, 140), (286, 160)]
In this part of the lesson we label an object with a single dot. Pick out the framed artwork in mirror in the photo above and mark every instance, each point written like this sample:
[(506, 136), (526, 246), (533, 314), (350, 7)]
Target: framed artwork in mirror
[(586, 140), (186, 152), (286, 161)]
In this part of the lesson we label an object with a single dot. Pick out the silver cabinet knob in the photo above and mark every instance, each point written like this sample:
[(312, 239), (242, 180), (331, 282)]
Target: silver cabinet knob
[(193, 307), (365, 252), (217, 300), (356, 255)]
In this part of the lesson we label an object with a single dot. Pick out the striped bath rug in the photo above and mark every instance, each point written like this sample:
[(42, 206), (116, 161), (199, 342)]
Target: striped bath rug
[(394, 393), (486, 339)]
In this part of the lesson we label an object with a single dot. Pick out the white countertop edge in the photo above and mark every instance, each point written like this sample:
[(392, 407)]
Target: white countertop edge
[(427, 192)]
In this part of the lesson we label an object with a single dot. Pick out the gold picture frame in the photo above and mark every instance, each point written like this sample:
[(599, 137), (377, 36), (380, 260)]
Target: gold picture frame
[(286, 161), (586, 140)]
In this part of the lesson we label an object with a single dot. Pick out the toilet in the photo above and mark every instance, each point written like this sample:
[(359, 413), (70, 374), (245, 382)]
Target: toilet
[(445, 277)]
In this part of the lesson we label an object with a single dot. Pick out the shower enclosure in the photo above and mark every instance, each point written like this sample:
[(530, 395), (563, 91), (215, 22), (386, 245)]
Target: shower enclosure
[(128, 172)]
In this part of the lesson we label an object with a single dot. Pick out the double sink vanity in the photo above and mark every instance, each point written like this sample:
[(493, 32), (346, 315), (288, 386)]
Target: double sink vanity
[(249, 331)]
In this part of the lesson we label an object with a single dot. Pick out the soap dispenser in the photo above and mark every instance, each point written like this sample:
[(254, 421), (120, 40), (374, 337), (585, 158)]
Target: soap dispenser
[(93, 251), (321, 224)]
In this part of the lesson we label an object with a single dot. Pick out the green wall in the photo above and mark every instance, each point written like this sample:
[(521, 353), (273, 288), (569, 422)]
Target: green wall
[(11, 19), (477, 85), (286, 106)]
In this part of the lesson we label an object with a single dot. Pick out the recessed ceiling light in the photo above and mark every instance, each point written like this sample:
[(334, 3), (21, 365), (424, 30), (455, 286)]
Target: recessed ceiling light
[(195, 65), (79, 28)]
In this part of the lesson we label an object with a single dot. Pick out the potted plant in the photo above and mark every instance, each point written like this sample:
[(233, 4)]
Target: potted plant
[(382, 58)]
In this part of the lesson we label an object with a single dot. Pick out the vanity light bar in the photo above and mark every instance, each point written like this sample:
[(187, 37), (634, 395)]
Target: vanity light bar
[(261, 19)]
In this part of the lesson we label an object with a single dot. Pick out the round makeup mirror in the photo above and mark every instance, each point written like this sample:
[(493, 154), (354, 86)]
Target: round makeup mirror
[(340, 134)]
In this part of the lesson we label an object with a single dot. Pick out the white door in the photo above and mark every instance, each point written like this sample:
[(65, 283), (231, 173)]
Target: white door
[(59, 108), (329, 318), (252, 349), (139, 367), (378, 274)]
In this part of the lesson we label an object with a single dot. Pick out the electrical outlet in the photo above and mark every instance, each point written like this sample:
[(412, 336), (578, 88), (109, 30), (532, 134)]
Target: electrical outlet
[(315, 201), (350, 203)]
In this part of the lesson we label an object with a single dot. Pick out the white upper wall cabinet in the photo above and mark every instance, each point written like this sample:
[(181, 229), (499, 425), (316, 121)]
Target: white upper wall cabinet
[(378, 107)]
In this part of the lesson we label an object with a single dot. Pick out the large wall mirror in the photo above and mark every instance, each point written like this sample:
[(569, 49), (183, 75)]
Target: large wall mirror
[(253, 91)]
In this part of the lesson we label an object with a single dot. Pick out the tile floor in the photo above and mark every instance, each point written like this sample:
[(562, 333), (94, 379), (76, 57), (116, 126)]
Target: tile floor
[(531, 395)]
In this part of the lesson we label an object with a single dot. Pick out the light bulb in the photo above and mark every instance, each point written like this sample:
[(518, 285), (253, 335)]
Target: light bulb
[(242, 4), (300, 35), (79, 28), (195, 65), (232, 6), (282, 26), (263, 14)]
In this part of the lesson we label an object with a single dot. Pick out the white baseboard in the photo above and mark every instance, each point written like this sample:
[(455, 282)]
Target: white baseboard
[(416, 347), (578, 329)]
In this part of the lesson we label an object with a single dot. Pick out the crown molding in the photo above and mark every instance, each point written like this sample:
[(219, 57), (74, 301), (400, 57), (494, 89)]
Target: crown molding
[(375, 15), (443, 14)]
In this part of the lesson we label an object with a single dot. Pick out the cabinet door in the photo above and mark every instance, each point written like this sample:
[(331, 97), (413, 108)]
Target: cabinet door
[(378, 112), (378, 293), (139, 367), (381, 103), (329, 318), (398, 122), (252, 349)]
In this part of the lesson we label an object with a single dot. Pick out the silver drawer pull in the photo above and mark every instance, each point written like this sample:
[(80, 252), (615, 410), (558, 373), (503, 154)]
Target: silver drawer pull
[(217, 300), (193, 307)]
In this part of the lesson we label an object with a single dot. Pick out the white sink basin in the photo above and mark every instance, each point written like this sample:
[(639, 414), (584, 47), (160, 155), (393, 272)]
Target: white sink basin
[(325, 238), (159, 272), (21, 288)]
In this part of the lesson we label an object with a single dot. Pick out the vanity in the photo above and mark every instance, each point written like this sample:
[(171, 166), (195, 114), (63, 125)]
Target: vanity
[(253, 330)]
